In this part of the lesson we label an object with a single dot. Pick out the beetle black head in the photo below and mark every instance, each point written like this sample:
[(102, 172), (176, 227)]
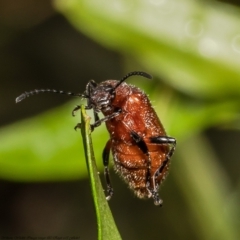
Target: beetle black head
[(100, 96)]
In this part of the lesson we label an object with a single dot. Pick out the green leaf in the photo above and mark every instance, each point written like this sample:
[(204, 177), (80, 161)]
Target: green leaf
[(106, 226)]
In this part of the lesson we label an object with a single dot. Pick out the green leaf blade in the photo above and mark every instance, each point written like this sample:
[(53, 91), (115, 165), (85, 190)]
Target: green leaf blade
[(107, 228)]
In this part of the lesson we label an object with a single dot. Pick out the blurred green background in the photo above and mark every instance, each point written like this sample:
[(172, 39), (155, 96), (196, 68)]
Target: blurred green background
[(192, 49)]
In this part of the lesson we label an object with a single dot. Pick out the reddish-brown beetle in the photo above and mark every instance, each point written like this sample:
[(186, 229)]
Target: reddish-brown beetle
[(140, 147)]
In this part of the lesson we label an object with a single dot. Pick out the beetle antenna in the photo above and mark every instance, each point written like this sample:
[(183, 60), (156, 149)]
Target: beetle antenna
[(143, 74), (36, 91)]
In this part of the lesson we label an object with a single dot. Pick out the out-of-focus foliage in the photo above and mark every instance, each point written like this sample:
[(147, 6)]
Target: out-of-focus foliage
[(44, 148), (193, 47)]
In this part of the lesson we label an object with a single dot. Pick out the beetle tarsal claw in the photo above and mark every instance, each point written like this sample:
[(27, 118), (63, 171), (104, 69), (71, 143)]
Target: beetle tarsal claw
[(78, 126), (109, 193), (75, 109), (158, 202)]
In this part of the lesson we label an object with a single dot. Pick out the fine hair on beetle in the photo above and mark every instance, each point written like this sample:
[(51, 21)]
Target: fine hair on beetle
[(139, 144)]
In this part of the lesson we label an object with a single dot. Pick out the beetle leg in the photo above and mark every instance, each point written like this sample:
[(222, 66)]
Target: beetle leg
[(73, 114), (113, 115), (96, 117), (78, 107), (140, 142), (157, 200), (164, 140), (77, 126), (75, 109), (98, 121), (143, 146), (105, 156)]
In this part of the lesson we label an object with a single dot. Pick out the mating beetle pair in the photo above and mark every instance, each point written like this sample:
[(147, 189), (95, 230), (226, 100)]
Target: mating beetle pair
[(139, 144)]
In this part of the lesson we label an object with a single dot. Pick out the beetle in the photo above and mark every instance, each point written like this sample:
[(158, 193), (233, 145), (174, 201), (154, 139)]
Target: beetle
[(140, 146)]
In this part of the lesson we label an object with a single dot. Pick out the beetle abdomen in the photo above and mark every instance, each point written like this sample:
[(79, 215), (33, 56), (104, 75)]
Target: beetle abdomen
[(133, 168)]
